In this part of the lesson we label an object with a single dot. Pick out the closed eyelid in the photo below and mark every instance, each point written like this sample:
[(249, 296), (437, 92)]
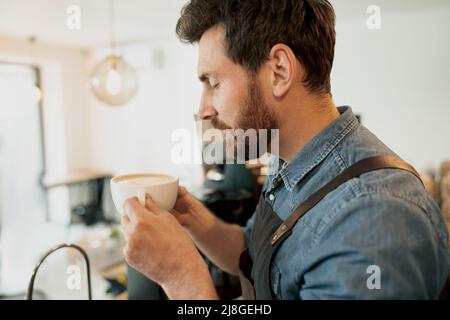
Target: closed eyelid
[(205, 77)]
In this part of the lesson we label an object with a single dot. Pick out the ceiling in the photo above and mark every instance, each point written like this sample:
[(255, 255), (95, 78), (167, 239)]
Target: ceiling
[(136, 20)]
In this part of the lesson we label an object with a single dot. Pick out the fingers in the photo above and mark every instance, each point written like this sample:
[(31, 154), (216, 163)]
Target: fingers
[(128, 230), (133, 209), (181, 217), (182, 191), (128, 254), (126, 224), (151, 206), (183, 200)]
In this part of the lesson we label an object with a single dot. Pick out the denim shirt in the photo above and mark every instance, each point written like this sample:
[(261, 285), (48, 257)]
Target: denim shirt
[(379, 236)]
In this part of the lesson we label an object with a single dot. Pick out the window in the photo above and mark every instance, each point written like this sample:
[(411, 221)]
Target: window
[(22, 200)]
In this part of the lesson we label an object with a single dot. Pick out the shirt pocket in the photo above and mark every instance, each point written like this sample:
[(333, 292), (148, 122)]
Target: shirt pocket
[(275, 279)]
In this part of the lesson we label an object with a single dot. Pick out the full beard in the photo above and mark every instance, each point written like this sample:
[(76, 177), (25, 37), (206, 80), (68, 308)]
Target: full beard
[(253, 114)]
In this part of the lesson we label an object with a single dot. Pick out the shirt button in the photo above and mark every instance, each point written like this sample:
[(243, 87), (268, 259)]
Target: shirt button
[(271, 197)]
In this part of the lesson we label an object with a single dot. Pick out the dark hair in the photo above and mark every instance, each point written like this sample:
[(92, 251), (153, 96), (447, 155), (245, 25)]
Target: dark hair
[(253, 27)]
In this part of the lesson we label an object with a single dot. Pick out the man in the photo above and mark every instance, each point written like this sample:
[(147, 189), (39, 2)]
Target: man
[(373, 233)]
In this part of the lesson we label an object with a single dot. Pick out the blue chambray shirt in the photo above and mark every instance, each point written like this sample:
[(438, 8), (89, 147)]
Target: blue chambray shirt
[(379, 236)]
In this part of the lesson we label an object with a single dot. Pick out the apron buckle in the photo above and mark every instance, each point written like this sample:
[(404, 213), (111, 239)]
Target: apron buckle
[(279, 233)]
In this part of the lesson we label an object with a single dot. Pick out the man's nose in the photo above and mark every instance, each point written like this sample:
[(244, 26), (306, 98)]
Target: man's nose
[(206, 111)]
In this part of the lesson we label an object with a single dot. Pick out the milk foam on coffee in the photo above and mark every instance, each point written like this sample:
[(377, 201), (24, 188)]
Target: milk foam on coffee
[(144, 181)]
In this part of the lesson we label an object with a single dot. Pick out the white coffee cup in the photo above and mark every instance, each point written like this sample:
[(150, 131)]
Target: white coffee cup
[(161, 187)]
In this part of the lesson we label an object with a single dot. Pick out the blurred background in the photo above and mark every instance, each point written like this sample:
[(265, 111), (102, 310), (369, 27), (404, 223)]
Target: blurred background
[(92, 89)]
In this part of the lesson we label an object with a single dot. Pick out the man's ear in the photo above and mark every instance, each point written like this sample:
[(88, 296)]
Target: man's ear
[(284, 68)]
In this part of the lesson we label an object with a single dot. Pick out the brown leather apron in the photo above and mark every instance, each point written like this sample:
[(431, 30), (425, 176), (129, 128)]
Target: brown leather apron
[(269, 231)]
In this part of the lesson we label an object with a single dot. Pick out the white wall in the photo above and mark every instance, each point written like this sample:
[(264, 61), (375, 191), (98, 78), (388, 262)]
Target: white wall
[(398, 78)]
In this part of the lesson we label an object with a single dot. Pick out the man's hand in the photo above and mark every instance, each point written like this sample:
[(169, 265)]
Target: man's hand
[(221, 242), (158, 247), (193, 215)]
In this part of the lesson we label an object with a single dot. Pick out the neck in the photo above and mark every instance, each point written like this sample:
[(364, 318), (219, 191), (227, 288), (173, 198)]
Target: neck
[(302, 122)]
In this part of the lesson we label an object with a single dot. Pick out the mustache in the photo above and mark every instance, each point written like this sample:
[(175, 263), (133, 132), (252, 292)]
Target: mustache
[(219, 124)]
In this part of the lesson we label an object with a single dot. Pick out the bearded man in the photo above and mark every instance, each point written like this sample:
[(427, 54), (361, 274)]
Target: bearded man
[(343, 217)]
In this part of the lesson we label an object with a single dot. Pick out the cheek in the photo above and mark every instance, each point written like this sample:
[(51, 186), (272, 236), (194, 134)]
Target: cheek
[(228, 102)]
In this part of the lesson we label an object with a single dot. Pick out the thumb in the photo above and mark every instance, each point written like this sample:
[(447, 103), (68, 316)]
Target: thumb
[(150, 205), (182, 192), (182, 218)]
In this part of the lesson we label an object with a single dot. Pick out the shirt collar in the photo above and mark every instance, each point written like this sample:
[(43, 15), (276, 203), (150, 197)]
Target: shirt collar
[(314, 152)]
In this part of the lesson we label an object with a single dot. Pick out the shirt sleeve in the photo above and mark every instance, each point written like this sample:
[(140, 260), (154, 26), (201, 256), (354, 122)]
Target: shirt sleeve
[(377, 247)]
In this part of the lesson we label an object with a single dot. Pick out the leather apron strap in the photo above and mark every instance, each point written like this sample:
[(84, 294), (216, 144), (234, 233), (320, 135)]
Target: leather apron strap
[(263, 253), (359, 168)]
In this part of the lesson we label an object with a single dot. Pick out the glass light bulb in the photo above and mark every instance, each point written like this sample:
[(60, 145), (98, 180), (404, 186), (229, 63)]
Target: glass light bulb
[(114, 81)]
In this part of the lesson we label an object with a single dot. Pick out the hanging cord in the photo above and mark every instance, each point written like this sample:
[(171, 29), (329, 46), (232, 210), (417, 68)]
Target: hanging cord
[(112, 30), (86, 259), (32, 40)]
